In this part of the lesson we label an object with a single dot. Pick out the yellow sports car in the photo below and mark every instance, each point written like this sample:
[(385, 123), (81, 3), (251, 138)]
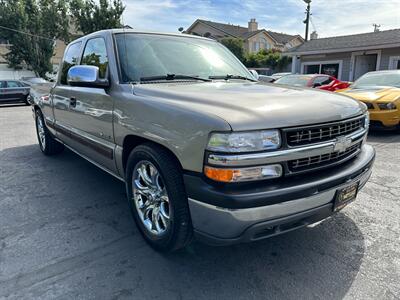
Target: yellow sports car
[(380, 91)]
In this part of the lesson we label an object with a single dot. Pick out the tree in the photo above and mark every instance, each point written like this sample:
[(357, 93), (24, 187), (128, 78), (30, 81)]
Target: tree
[(266, 58), (91, 17), (35, 24), (235, 45)]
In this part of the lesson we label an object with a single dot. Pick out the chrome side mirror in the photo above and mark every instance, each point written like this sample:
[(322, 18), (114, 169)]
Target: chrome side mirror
[(86, 76)]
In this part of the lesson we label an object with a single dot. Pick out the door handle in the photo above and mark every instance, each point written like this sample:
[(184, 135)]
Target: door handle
[(72, 102)]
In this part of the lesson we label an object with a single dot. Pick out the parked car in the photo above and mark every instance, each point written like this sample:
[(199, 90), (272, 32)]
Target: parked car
[(265, 78), (12, 91), (380, 91), (276, 76), (33, 80), (202, 147), (320, 81)]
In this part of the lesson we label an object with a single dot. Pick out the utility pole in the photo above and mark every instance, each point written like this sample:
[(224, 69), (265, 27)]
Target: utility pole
[(307, 20)]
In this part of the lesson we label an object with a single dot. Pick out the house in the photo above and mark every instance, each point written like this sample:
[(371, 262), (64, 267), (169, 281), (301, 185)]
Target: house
[(348, 57), (254, 38)]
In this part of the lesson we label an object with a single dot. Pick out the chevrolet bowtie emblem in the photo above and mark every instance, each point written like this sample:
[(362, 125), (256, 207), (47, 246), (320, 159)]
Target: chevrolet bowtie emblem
[(341, 144)]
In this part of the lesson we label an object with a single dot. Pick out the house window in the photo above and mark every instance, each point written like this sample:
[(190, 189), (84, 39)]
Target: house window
[(264, 44), (256, 46), (321, 68)]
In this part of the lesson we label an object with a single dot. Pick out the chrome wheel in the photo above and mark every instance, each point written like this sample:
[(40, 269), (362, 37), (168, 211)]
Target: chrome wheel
[(41, 132), (151, 198)]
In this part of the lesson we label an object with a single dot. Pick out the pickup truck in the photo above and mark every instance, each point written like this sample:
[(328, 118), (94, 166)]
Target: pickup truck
[(204, 149)]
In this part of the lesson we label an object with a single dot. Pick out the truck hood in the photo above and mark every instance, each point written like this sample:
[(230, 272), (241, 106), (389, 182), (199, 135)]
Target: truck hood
[(250, 106), (373, 94)]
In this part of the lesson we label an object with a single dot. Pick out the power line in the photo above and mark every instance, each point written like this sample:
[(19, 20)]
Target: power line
[(27, 33)]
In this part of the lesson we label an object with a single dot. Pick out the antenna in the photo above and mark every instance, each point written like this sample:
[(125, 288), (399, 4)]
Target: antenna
[(376, 27)]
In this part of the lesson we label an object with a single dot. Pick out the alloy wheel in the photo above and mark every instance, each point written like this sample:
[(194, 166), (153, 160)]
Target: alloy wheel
[(151, 198)]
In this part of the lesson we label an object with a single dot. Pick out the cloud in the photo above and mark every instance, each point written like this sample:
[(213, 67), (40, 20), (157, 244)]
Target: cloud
[(330, 17)]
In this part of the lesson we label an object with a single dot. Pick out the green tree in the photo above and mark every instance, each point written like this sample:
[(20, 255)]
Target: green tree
[(36, 25), (91, 17), (267, 59), (235, 45)]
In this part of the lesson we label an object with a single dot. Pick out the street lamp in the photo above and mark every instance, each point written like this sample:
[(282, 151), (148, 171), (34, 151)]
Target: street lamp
[(307, 20)]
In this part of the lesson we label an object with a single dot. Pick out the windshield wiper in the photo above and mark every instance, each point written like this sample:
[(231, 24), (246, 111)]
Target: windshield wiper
[(230, 76), (172, 77)]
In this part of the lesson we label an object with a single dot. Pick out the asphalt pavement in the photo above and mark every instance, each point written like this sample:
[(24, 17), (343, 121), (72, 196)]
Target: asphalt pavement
[(66, 232)]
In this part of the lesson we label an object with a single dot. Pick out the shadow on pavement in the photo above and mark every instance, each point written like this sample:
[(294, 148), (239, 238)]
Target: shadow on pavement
[(67, 231), (384, 136)]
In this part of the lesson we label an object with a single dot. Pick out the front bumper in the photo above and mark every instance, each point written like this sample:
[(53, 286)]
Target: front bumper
[(388, 118), (227, 215)]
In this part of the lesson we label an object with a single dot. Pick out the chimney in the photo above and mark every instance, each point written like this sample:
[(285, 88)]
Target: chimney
[(253, 25), (313, 35)]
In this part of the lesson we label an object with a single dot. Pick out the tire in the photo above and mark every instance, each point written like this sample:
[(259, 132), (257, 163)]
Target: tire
[(48, 145), (168, 234)]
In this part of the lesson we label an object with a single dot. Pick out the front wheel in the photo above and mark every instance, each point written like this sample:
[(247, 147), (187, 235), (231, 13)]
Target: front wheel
[(157, 198), (48, 145)]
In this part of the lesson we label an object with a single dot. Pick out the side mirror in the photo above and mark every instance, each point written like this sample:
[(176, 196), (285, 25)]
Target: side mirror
[(86, 76), (255, 74)]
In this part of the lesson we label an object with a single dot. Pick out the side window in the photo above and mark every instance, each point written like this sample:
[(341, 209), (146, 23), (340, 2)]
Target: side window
[(12, 84), (70, 59), (2, 84), (95, 54), (322, 80)]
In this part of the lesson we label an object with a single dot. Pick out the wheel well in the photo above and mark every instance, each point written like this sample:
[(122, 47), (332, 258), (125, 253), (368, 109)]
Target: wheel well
[(132, 141)]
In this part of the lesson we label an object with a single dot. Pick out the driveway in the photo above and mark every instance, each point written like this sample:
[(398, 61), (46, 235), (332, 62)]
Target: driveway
[(66, 232)]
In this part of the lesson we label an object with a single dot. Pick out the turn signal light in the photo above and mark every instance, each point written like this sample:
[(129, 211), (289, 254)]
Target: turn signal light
[(243, 174)]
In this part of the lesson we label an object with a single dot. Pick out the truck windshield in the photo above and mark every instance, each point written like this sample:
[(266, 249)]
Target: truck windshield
[(148, 55)]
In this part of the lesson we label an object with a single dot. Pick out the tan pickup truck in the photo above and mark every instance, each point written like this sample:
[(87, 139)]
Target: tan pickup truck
[(203, 148)]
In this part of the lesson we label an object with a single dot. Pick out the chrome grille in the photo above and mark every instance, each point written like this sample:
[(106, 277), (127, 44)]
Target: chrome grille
[(324, 160), (321, 133)]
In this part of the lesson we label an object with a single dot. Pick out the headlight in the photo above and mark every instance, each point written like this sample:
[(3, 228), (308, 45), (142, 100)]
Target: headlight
[(245, 141), (387, 106)]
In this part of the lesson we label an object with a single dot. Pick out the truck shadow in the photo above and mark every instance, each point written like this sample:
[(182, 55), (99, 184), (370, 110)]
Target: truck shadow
[(80, 213)]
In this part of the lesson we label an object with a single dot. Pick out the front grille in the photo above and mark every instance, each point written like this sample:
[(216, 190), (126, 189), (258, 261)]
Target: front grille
[(320, 133), (324, 160)]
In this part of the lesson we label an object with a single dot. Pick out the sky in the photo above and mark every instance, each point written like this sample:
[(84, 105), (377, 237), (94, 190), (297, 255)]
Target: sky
[(329, 17)]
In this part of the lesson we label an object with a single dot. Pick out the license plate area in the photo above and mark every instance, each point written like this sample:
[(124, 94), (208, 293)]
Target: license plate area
[(345, 195)]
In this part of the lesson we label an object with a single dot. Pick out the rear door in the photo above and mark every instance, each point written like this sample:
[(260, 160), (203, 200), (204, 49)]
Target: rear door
[(92, 116)]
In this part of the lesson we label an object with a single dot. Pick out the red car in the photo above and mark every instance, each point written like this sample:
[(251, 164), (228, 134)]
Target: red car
[(319, 81)]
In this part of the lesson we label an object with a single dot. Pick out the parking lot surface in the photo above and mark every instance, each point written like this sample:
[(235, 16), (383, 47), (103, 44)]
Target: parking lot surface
[(66, 232)]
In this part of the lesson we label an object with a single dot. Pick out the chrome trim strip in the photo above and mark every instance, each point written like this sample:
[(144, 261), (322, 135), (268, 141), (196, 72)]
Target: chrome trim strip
[(280, 156)]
